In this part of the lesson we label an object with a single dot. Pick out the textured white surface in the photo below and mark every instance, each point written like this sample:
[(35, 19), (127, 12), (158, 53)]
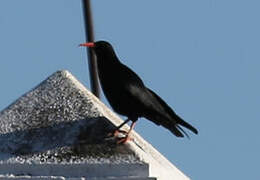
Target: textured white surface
[(41, 134), (63, 178)]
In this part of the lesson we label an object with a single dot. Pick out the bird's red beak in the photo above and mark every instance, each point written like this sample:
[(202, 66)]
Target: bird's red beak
[(89, 44)]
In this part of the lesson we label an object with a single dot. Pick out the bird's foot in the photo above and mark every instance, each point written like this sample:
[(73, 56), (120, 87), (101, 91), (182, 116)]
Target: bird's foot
[(116, 133), (124, 140)]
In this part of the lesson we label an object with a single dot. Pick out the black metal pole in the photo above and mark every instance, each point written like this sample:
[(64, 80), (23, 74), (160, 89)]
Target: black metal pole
[(92, 63)]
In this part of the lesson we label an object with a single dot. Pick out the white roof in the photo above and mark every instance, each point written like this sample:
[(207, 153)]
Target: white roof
[(59, 129)]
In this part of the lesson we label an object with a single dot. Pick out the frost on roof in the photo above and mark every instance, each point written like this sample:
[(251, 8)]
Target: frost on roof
[(60, 128), (58, 122)]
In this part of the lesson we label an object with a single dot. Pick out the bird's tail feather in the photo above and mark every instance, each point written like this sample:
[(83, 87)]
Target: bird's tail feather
[(184, 132), (173, 118), (176, 131), (174, 126), (186, 125)]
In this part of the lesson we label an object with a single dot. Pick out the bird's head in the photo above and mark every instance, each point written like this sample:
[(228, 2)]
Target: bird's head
[(100, 47)]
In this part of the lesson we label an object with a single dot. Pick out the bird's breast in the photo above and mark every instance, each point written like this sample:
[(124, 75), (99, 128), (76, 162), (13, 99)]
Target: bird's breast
[(117, 94)]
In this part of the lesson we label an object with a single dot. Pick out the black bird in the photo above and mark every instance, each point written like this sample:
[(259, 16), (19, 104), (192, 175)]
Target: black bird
[(128, 95)]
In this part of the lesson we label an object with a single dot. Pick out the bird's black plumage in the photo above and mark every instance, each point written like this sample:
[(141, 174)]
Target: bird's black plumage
[(128, 95)]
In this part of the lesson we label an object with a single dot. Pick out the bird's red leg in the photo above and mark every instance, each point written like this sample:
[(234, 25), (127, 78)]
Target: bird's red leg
[(117, 130), (127, 138)]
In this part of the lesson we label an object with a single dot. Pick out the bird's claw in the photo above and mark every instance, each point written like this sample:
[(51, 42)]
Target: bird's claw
[(119, 138), (116, 133), (124, 140)]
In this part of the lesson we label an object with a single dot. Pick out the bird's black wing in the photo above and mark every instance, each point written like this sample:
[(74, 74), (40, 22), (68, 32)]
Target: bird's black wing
[(131, 92), (144, 102), (174, 117)]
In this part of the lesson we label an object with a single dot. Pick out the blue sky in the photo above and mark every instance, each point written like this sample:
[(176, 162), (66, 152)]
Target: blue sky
[(202, 57)]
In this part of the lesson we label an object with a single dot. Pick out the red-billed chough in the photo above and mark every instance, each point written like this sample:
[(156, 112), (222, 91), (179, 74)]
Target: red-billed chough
[(128, 95)]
